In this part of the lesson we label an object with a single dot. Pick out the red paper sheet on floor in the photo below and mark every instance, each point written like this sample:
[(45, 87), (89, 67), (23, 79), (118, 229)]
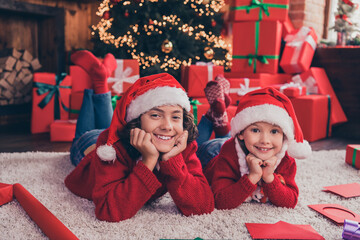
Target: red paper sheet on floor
[(336, 212), (345, 190), (281, 230)]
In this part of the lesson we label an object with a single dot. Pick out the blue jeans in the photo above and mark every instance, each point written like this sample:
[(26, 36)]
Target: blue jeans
[(208, 149), (94, 117)]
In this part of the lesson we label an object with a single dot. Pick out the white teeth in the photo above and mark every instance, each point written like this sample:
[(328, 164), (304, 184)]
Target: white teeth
[(263, 149), (163, 137)]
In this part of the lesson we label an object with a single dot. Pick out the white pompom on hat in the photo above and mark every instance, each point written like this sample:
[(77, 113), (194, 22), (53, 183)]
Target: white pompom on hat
[(146, 93), (271, 106)]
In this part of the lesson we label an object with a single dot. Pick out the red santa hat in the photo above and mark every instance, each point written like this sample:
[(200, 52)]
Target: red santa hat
[(271, 106), (145, 94)]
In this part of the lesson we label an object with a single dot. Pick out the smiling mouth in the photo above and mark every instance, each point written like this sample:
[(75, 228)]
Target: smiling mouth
[(162, 137), (263, 149)]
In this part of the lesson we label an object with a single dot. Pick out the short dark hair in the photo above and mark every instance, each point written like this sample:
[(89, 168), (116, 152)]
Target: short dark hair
[(124, 134)]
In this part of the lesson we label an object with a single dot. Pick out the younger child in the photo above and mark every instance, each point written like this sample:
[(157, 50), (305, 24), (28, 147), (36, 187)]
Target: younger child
[(257, 162), (148, 149)]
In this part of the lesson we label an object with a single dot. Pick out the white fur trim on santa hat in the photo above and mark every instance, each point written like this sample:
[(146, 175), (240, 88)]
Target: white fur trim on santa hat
[(263, 113), (274, 115), (106, 153), (158, 96)]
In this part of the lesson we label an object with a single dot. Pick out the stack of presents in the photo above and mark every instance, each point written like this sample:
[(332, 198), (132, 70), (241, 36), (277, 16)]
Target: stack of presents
[(57, 99), (267, 51)]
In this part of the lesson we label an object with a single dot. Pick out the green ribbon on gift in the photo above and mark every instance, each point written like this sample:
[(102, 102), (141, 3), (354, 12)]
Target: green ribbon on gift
[(253, 58), (263, 7), (354, 156), (194, 103), (52, 91), (114, 100)]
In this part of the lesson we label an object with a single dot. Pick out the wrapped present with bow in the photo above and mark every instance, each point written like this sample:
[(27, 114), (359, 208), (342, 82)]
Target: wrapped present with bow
[(256, 46), (51, 98), (353, 155), (240, 86), (62, 130), (259, 10), (195, 77), (291, 89), (309, 83), (125, 74), (299, 50), (317, 82)]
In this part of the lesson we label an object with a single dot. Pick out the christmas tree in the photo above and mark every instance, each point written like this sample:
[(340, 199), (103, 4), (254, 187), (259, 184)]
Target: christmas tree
[(344, 24), (162, 34)]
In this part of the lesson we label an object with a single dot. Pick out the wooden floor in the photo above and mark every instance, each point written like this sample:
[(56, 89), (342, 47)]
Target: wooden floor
[(17, 138)]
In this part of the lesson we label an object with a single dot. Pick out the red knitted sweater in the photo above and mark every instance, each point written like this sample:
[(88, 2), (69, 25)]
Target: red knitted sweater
[(231, 190), (120, 189)]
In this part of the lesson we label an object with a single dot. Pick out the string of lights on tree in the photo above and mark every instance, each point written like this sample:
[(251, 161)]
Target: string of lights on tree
[(162, 35)]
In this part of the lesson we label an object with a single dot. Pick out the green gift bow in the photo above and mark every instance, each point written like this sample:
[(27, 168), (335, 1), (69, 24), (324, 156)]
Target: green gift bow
[(52, 91), (263, 7), (194, 103), (114, 100), (354, 156), (252, 58)]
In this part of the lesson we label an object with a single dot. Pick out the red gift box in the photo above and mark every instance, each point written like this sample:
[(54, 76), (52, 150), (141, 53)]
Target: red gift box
[(256, 46), (51, 98), (266, 79), (287, 27), (6, 193), (353, 155), (62, 130), (323, 86), (81, 79), (76, 99), (198, 109), (240, 86), (125, 74), (195, 77), (312, 112), (264, 10), (299, 50)]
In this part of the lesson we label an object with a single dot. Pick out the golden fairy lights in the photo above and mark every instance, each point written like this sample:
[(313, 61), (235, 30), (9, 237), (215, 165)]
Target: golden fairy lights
[(171, 22)]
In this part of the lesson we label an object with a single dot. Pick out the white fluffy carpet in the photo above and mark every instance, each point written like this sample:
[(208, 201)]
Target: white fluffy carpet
[(42, 174)]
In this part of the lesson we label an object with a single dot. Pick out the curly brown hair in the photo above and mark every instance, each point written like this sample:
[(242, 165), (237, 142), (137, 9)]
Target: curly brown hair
[(124, 134)]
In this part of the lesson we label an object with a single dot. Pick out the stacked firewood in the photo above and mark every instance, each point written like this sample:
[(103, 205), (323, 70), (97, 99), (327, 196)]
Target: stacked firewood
[(16, 74)]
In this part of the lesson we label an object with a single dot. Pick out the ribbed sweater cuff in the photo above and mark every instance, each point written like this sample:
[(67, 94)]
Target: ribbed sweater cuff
[(174, 166), (273, 184), (247, 186), (147, 177)]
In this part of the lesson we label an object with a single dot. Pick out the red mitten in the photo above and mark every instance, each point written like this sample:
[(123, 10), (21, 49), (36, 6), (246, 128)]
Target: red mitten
[(94, 67)]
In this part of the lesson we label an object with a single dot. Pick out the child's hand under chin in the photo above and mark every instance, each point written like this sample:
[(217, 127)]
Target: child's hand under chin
[(268, 169), (180, 145), (260, 169), (141, 140)]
